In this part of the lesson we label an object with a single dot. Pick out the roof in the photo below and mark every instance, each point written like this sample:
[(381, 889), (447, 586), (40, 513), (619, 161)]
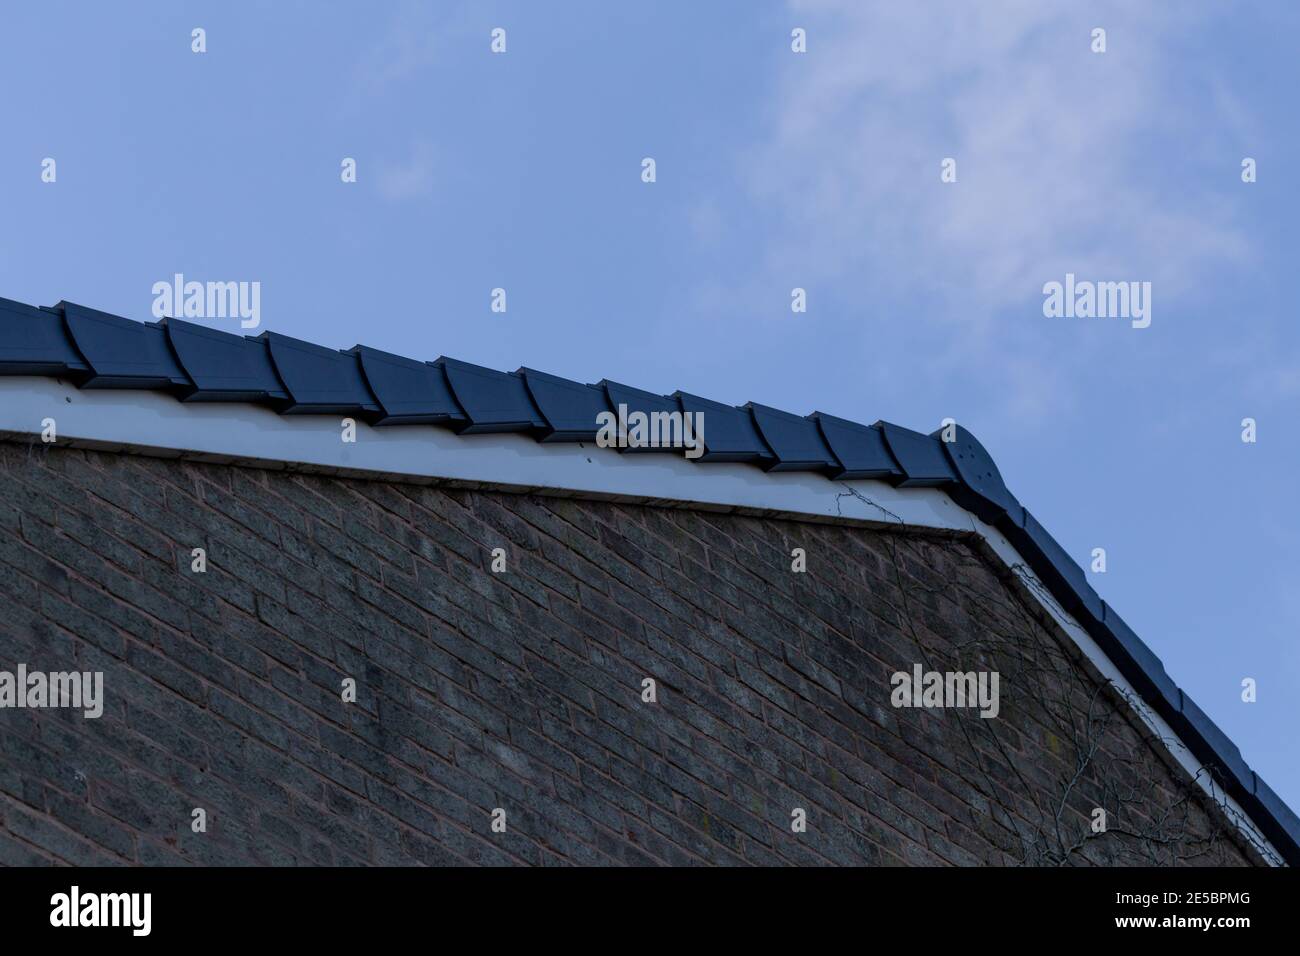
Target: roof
[(193, 363)]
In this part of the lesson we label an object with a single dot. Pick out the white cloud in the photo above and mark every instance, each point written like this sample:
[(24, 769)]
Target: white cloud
[(1056, 162), (414, 36), (411, 178), (1049, 138)]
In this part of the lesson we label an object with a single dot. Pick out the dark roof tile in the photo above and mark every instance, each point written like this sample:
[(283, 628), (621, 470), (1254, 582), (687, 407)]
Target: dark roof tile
[(409, 392), (921, 457), (796, 442), (860, 449), (570, 408), (493, 401), (122, 353), (1137, 662), (1064, 576), (979, 488), (319, 380), (625, 399), (729, 432), (1279, 822), (36, 342), (1212, 746), (223, 367)]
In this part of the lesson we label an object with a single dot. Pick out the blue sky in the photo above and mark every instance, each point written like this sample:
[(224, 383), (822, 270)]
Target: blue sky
[(774, 171)]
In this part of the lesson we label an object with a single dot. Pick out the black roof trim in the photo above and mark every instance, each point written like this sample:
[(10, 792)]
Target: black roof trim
[(570, 408), (796, 441), (224, 367), (729, 432), (98, 350), (122, 353), (1212, 746), (920, 456), (1064, 576), (36, 342), (980, 488), (409, 392), (1137, 663), (637, 400), (493, 401), (1279, 822), (320, 380), (861, 449)]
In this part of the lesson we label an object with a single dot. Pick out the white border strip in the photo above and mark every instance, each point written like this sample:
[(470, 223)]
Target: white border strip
[(156, 423)]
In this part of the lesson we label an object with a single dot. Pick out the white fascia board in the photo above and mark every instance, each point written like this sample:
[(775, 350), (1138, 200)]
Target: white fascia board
[(156, 423)]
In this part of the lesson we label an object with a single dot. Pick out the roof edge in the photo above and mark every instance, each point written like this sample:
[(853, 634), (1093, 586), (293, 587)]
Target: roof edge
[(115, 384)]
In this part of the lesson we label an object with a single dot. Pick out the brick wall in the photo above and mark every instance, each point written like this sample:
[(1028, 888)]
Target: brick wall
[(522, 690)]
